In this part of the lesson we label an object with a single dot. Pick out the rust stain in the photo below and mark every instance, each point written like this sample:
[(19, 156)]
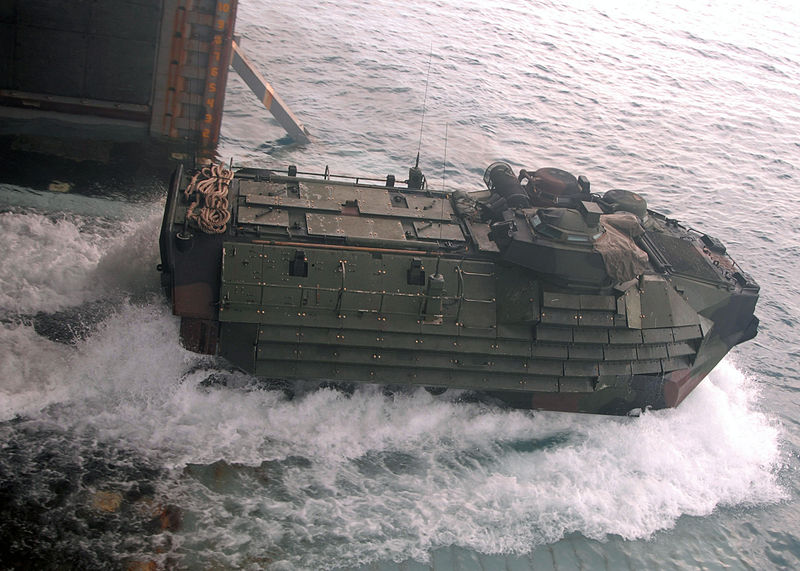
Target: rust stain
[(678, 385), (200, 335), (194, 300)]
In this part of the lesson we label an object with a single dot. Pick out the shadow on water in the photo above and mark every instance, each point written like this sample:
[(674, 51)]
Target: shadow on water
[(72, 324), (538, 444), (129, 172)]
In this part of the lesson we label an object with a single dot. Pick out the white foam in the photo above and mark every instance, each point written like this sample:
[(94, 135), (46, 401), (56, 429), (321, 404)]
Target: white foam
[(46, 262), (396, 477), (378, 477), (464, 486), (31, 371), (129, 261), (56, 262)]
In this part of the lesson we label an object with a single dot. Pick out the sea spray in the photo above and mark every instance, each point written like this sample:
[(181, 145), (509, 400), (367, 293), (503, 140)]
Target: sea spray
[(329, 478), (56, 260), (355, 478)]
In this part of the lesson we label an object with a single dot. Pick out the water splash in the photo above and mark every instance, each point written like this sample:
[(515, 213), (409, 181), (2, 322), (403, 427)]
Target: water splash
[(326, 478), (329, 479), (58, 260)]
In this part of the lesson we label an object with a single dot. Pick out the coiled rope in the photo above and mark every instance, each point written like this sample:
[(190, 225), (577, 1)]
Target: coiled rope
[(210, 189)]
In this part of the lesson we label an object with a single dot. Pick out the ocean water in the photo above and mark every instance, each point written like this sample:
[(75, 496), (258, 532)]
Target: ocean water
[(117, 452)]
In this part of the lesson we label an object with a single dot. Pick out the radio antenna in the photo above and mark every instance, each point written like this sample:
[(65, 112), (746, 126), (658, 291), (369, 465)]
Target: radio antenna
[(416, 179), (444, 161), (443, 198), (424, 102)]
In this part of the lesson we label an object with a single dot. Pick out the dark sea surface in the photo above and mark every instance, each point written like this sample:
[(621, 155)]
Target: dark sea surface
[(116, 451)]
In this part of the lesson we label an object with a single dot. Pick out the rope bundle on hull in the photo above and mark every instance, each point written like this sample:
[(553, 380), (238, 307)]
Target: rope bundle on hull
[(210, 189)]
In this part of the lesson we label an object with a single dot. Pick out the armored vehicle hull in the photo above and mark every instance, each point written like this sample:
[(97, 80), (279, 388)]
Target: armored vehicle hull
[(534, 290)]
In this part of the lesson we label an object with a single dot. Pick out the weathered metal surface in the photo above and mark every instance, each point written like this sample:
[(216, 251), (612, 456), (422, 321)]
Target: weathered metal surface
[(261, 217), (191, 70), (321, 278), (352, 227), (96, 51), (121, 70)]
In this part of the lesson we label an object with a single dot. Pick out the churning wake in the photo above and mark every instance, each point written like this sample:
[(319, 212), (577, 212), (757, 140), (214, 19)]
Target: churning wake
[(119, 445)]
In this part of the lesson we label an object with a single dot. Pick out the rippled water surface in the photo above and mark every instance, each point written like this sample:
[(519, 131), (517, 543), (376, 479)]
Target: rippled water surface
[(119, 448)]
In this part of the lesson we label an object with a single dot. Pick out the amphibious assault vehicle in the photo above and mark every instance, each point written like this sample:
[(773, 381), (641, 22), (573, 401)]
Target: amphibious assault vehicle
[(535, 290)]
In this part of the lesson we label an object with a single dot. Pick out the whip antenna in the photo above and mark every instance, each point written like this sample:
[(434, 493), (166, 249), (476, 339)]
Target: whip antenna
[(416, 179), (444, 161), (443, 198), (424, 101)]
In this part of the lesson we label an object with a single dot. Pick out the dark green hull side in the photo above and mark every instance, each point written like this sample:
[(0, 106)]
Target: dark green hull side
[(306, 305)]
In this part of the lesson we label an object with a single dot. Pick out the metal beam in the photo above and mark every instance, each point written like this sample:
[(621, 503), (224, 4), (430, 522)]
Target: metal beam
[(263, 90)]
